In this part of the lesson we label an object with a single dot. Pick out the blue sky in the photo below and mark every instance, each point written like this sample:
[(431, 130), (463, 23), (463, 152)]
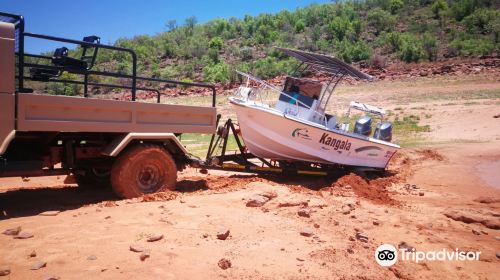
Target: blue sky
[(125, 18)]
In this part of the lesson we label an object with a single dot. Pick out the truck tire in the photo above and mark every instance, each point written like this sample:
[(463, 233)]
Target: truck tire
[(93, 178), (143, 169)]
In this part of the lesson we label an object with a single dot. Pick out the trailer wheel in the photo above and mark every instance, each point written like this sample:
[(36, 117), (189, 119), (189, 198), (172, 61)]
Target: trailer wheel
[(93, 178), (143, 169)]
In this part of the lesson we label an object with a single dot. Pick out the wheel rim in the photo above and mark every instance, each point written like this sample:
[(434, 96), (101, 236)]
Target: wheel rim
[(149, 178)]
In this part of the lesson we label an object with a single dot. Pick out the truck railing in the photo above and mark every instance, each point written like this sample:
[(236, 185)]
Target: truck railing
[(22, 64)]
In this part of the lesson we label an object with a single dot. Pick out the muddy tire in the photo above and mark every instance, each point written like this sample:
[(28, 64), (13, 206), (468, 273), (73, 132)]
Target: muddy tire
[(142, 170), (93, 178)]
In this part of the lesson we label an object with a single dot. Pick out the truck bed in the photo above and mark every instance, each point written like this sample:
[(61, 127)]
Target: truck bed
[(77, 114)]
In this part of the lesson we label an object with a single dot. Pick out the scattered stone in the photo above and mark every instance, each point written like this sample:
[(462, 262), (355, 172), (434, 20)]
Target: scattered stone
[(257, 201), (182, 201), (350, 251), (32, 254), (24, 235), (51, 278), (107, 217), (497, 238), (476, 232), (347, 208), (155, 237), (49, 213), (404, 245), (224, 263), (144, 255), (300, 259), (137, 248), (37, 265), (205, 235), (293, 204), (351, 238), (304, 213), (4, 270), (307, 232), (269, 194), (12, 231), (421, 194), (92, 258), (316, 225), (361, 237), (223, 234), (376, 223), (498, 255)]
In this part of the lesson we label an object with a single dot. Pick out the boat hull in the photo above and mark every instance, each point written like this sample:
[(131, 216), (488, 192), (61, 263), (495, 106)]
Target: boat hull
[(269, 134)]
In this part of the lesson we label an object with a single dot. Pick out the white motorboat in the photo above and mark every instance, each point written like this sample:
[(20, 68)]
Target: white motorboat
[(290, 124)]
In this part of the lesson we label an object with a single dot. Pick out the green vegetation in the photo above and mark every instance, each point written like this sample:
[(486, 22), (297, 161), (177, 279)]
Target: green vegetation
[(370, 31)]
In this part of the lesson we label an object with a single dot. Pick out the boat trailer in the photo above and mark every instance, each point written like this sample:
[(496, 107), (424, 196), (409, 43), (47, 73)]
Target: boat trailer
[(241, 160)]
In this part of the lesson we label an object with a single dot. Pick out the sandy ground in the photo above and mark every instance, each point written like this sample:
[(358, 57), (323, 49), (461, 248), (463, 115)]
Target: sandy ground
[(444, 194)]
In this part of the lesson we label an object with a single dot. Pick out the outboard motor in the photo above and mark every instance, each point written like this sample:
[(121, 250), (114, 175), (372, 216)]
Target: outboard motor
[(363, 126), (383, 131)]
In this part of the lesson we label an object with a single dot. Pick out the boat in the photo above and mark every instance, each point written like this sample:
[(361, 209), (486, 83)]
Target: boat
[(290, 124)]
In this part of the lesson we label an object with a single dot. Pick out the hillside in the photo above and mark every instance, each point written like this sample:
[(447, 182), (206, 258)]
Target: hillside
[(372, 33)]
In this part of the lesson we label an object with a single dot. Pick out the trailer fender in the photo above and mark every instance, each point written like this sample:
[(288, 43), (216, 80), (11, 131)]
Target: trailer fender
[(114, 148)]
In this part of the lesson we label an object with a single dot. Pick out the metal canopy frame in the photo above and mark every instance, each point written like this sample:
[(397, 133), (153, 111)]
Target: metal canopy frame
[(326, 63)]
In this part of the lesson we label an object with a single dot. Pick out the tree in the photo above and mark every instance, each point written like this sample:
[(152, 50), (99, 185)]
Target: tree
[(171, 24), (190, 22)]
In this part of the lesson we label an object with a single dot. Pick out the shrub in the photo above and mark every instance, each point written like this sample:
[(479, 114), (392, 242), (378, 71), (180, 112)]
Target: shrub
[(439, 7), (480, 20), (216, 72), (381, 20), (395, 6), (462, 8), (411, 49), (476, 46), (352, 52), (246, 53), (300, 26), (216, 43), (68, 89), (430, 46)]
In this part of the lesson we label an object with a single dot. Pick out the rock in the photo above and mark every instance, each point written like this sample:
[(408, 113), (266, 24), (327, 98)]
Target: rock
[(351, 238), (376, 223), (32, 254), (257, 201), (293, 203), (347, 208), (316, 225), (361, 237), (404, 245), (92, 258), (269, 194), (421, 193), (307, 232), (137, 248), (12, 231), (24, 235), (317, 203), (350, 251), (224, 263), (497, 238), (304, 213), (155, 237), (300, 259), (223, 234), (4, 270), (469, 218), (144, 255), (487, 200), (37, 265), (107, 217), (49, 213), (205, 235), (51, 278), (476, 232), (498, 255)]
